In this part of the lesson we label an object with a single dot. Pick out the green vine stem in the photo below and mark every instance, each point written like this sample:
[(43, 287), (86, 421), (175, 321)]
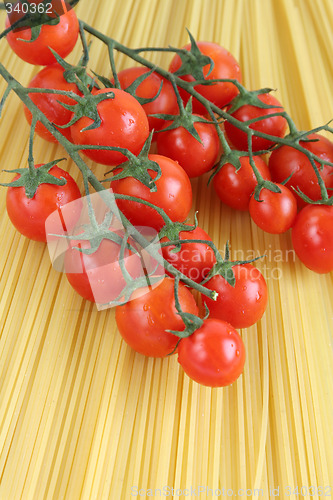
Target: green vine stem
[(89, 177), (292, 139)]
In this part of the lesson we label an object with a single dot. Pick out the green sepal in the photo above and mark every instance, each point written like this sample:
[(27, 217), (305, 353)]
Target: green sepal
[(104, 80), (233, 157), (250, 97), (271, 186), (193, 61), (35, 21), (31, 179), (185, 119), (130, 287), (172, 230), (86, 106), (95, 233), (131, 89), (138, 166), (75, 74), (223, 267)]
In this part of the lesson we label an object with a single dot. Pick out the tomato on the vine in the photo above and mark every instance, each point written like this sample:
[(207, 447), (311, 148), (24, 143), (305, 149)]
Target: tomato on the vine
[(165, 103), (275, 126), (195, 260), (60, 37), (52, 77), (29, 214), (124, 124), (179, 144), (234, 187), (143, 321), (312, 237), (214, 355), (173, 195), (241, 305), (98, 276), (275, 213), (225, 67), (286, 160)]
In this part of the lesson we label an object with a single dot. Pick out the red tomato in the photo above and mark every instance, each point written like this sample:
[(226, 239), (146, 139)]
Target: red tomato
[(286, 160), (214, 355), (275, 126), (275, 213), (29, 214), (196, 158), (165, 103), (225, 66), (234, 188), (242, 305), (60, 37), (124, 125), (312, 237), (52, 77), (173, 195), (98, 276), (143, 322), (195, 260)]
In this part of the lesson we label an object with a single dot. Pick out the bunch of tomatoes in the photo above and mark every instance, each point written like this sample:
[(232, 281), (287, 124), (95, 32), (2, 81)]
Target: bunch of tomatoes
[(197, 118)]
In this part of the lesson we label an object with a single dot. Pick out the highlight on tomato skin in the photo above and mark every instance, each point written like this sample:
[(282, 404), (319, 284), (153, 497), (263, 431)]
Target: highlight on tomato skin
[(214, 355)]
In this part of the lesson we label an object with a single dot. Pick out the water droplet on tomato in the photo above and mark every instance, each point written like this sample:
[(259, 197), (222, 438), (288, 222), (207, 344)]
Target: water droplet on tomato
[(146, 307)]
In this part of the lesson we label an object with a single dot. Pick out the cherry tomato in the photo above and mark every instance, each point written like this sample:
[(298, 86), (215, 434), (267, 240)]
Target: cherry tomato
[(98, 276), (29, 214), (52, 77), (275, 126), (234, 187), (286, 160), (195, 260), (143, 322), (225, 66), (196, 158), (214, 355), (312, 237), (124, 125), (275, 213), (173, 195), (60, 37), (165, 103), (242, 305)]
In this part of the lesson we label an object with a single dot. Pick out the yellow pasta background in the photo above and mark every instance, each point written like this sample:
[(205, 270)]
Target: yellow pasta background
[(81, 414)]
